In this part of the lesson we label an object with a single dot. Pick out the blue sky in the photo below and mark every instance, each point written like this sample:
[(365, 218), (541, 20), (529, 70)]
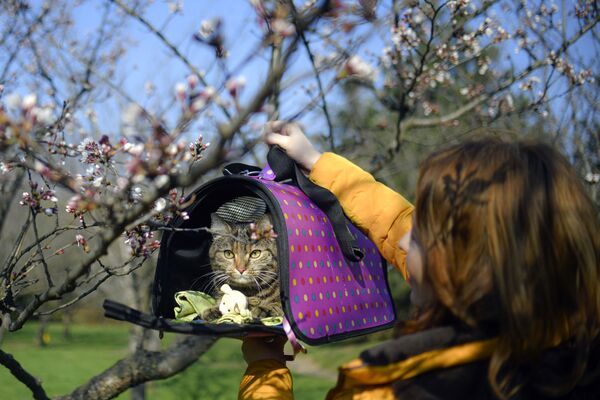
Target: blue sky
[(149, 60)]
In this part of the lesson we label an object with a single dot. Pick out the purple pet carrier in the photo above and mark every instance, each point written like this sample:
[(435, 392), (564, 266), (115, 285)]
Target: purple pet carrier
[(333, 278)]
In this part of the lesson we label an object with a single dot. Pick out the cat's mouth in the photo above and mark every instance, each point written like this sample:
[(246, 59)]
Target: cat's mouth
[(244, 280), (247, 282)]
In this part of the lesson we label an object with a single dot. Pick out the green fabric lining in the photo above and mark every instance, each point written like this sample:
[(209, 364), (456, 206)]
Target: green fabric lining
[(191, 304)]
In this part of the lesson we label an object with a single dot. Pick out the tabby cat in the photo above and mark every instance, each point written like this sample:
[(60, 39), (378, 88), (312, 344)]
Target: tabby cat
[(249, 266)]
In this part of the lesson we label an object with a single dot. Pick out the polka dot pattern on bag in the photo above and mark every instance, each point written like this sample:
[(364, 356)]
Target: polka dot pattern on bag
[(328, 294)]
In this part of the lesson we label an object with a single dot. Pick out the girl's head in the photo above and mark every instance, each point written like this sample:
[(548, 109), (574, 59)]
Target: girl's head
[(509, 244)]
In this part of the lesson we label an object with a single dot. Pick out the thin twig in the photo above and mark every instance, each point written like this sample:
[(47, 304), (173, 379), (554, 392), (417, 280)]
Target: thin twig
[(321, 92), (45, 10)]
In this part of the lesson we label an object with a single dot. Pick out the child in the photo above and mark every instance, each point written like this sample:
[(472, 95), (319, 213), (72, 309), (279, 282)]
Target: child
[(504, 263)]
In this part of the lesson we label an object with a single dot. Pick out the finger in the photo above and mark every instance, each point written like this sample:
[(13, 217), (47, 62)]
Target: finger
[(276, 139), (290, 129), (274, 126)]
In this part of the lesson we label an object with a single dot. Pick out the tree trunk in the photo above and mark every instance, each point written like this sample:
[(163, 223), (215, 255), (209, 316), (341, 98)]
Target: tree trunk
[(140, 338), (43, 337), (4, 324), (67, 320)]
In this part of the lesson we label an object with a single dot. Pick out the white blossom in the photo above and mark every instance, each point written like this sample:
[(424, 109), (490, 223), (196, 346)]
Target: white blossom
[(180, 89), (283, 27), (149, 87), (5, 167), (13, 101), (210, 91), (175, 6), (91, 114), (405, 38), (161, 180), (192, 81), (43, 115), (208, 28), (130, 114), (357, 67), (198, 104), (134, 149), (171, 149), (29, 101), (592, 177), (528, 85), (235, 85), (510, 101), (137, 193), (160, 205)]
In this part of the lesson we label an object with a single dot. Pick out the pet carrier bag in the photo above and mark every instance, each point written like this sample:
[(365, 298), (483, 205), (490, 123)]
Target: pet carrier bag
[(333, 279)]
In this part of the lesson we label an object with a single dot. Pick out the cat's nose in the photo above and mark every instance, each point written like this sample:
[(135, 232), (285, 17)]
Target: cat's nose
[(240, 269)]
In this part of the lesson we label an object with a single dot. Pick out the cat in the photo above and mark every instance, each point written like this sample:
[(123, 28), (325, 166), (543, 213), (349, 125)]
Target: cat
[(247, 265)]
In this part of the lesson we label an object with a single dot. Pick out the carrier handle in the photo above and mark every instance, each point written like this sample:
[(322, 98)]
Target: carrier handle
[(285, 168)]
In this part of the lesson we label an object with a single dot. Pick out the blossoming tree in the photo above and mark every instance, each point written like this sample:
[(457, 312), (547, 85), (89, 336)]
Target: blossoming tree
[(76, 181)]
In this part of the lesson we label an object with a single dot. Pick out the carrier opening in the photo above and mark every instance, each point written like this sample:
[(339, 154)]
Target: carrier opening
[(184, 262)]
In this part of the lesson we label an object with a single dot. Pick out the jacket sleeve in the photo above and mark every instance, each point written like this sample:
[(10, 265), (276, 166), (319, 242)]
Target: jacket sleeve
[(266, 380), (384, 215)]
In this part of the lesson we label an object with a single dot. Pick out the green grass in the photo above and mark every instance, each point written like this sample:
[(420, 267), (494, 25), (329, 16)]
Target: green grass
[(62, 365), (65, 364)]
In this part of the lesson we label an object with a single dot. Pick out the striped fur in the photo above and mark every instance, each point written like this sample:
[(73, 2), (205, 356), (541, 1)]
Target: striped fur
[(248, 266)]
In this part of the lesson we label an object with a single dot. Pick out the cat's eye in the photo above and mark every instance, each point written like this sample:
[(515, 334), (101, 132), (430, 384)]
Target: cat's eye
[(255, 254), (228, 254)]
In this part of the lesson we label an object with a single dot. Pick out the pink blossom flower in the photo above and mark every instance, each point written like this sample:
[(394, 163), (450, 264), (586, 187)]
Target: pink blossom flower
[(180, 90), (357, 68), (80, 240), (192, 81), (283, 27), (235, 85)]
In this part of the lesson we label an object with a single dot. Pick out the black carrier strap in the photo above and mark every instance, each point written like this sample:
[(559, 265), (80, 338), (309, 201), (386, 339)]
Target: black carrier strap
[(121, 312), (285, 168)]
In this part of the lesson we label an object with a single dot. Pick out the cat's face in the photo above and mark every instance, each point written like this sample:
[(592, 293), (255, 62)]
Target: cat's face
[(239, 261)]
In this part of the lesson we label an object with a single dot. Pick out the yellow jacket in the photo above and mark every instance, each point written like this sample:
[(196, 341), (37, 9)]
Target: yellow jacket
[(385, 216), (382, 214)]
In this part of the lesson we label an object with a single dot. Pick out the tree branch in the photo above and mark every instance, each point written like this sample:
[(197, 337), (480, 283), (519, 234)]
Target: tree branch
[(23, 376), (40, 18), (12, 193), (142, 366), (459, 112), (165, 41)]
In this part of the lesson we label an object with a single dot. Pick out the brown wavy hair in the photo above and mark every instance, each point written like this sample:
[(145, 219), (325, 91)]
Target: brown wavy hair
[(511, 246)]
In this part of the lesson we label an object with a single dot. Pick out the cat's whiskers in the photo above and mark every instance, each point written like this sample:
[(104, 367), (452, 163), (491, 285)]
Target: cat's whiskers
[(221, 280), (257, 283), (268, 284), (218, 278), (209, 276), (268, 277)]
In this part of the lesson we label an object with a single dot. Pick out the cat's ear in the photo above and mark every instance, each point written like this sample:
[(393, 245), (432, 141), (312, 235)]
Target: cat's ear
[(218, 224), (264, 223)]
